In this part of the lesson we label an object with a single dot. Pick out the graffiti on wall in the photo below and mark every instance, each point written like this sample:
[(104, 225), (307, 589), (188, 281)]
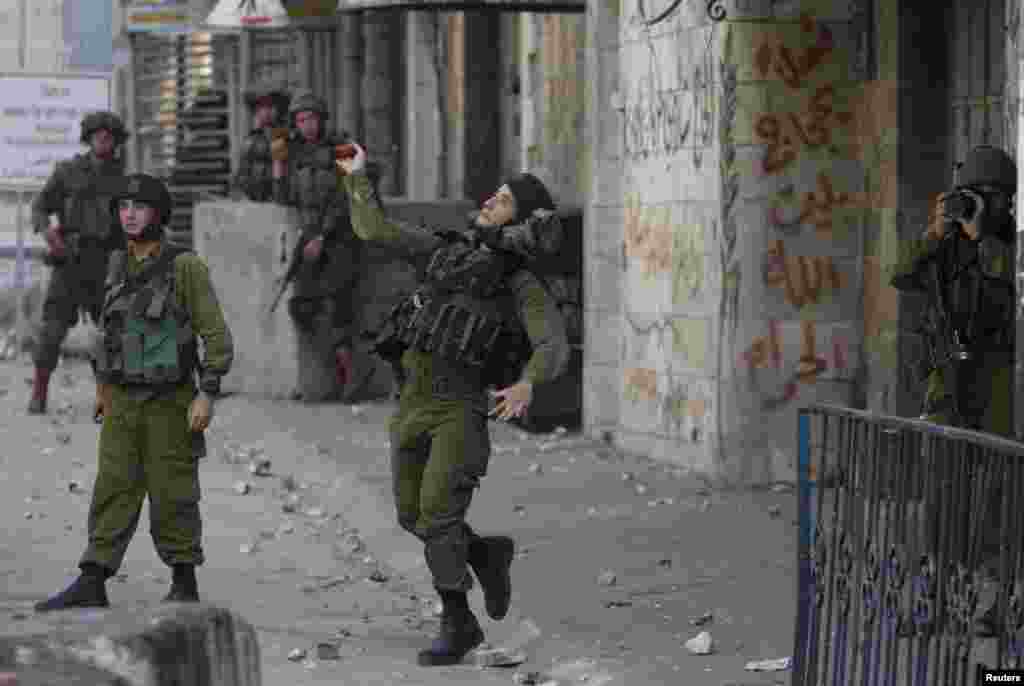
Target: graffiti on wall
[(766, 355), (803, 279), (662, 118), (811, 130), (683, 405), (662, 245)]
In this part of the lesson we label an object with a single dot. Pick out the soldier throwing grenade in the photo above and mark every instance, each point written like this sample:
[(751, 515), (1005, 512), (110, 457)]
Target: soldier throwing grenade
[(481, 318), (73, 212)]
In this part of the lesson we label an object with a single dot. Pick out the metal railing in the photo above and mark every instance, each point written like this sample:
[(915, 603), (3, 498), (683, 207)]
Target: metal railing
[(910, 553)]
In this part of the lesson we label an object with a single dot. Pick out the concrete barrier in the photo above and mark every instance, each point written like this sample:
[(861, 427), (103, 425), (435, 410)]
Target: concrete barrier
[(247, 247), (199, 645)]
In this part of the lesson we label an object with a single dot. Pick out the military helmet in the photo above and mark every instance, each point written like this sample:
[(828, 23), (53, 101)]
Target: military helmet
[(307, 101), (94, 121), (989, 166), (277, 93), (148, 189)]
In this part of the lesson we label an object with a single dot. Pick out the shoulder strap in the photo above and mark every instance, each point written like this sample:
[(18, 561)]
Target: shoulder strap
[(160, 266)]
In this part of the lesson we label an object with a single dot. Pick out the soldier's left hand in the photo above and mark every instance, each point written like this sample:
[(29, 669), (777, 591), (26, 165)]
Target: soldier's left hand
[(512, 400), (311, 251), (200, 412)]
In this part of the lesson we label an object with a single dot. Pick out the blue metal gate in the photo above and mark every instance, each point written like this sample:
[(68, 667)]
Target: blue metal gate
[(910, 564)]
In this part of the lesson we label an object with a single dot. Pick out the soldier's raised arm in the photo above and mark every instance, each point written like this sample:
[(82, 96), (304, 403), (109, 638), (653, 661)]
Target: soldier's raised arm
[(412, 243)]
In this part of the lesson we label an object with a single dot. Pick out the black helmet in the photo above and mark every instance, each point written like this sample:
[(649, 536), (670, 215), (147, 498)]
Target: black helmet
[(277, 93), (989, 166), (307, 101), (147, 189), (94, 121)]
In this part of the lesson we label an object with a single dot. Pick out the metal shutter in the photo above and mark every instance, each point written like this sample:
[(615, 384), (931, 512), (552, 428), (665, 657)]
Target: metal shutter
[(185, 93), (275, 57)]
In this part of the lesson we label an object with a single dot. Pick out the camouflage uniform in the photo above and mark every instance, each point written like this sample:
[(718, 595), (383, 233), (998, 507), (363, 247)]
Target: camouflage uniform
[(254, 178), (322, 301), (147, 448), (78, 192), (975, 281), (476, 316)]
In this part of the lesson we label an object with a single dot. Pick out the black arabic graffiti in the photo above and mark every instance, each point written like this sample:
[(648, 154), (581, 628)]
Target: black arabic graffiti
[(715, 10)]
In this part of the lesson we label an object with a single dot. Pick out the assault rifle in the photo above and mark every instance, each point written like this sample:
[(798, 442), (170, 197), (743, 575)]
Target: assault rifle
[(294, 266), (950, 345)]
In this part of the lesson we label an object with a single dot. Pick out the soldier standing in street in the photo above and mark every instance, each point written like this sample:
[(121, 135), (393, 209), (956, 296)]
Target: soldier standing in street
[(481, 318), (160, 302), (269, 106), (322, 303), (73, 212)]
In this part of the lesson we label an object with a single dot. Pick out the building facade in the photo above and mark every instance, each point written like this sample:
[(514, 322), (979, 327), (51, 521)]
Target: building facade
[(748, 172)]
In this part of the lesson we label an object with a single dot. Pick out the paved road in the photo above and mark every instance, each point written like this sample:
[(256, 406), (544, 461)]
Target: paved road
[(337, 569)]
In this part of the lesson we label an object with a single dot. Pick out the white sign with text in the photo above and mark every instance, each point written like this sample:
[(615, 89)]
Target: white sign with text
[(40, 117)]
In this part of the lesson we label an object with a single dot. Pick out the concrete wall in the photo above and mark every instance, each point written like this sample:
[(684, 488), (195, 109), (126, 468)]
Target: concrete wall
[(247, 247), (726, 226)]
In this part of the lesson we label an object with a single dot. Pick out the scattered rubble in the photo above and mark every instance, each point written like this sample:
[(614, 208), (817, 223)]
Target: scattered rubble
[(260, 467), (701, 644), (328, 651), (703, 619), (607, 578), (776, 665), (378, 576), (297, 655), (242, 487), (74, 486), (63, 437), (535, 468), (774, 511), (497, 657)]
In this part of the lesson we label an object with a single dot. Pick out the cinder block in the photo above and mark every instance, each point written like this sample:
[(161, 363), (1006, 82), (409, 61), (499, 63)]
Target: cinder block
[(198, 645)]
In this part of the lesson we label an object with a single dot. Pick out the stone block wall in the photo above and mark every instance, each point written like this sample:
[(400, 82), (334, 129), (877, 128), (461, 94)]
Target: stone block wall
[(247, 247)]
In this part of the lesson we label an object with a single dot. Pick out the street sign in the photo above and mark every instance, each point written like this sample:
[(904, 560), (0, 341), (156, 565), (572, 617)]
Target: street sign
[(39, 122), (539, 6), (158, 16), (254, 14)]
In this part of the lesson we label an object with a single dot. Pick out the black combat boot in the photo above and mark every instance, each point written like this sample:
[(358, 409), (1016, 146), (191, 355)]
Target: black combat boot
[(88, 590), (40, 389), (184, 587), (491, 558), (460, 633)]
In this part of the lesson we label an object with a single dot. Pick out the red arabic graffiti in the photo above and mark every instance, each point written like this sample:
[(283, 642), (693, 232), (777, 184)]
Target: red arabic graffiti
[(765, 352), (790, 65), (811, 128), (816, 208)]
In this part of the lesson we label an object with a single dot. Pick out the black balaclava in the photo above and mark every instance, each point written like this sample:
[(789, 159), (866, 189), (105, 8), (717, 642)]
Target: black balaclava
[(530, 194)]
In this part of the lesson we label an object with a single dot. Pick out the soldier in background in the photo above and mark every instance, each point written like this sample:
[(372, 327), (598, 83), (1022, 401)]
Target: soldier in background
[(269, 106), (322, 302), (73, 212)]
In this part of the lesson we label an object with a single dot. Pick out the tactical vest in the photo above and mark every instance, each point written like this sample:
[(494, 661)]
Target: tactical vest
[(464, 312), (88, 194), (258, 181), (980, 294), (147, 336), (315, 181)]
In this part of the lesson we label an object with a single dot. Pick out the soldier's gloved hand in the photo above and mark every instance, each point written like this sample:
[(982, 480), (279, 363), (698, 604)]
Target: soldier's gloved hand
[(343, 366), (200, 412), (311, 251), (55, 241), (350, 158)]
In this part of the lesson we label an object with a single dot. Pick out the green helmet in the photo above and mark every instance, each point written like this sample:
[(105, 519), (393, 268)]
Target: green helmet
[(307, 101), (148, 189), (94, 121), (989, 166)]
